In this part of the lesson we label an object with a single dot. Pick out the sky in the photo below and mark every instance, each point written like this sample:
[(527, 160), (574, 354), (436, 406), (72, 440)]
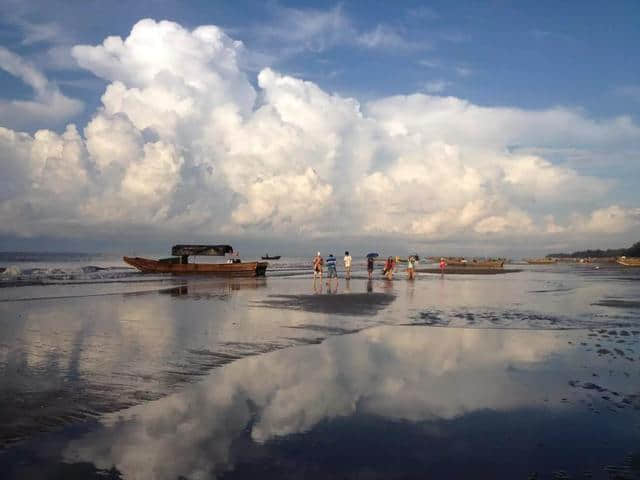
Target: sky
[(438, 127)]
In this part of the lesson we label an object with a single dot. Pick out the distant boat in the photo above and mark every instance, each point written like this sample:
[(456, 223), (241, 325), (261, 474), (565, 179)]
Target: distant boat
[(267, 257), (629, 261), (540, 261), (406, 259), (179, 263)]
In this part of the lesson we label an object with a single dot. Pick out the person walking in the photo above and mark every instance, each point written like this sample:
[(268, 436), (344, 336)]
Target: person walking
[(388, 268), (331, 269), (318, 263), (347, 265), (410, 268), (443, 265)]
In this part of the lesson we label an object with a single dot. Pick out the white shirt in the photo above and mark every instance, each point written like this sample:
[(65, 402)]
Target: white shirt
[(347, 261)]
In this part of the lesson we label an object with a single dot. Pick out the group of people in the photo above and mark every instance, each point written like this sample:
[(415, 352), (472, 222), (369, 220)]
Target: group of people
[(388, 270)]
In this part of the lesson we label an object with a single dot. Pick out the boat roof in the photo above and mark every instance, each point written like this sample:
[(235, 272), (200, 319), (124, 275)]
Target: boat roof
[(210, 250)]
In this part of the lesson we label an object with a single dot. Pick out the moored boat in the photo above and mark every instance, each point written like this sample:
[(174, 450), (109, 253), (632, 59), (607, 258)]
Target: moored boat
[(629, 261), (462, 262), (540, 261), (179, 263), (273, 257)]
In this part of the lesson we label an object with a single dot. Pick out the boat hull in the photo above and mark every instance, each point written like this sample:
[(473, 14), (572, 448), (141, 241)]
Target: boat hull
[(475, 264), (248, 269), (277, 257), (629, 261)]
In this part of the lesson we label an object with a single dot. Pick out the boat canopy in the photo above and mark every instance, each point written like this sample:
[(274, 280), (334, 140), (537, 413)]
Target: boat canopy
[(210, 250)]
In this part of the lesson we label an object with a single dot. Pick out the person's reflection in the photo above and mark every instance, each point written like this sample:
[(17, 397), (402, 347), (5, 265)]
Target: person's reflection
[(347, 287), (369, 286), (317, 285), (331, 289), (411, 287)]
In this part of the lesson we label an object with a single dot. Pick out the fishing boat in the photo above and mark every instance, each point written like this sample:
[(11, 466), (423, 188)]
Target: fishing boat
[(178, 263), (540, 261), (416, 258), (274, 257), (462, 262), (629, 261)]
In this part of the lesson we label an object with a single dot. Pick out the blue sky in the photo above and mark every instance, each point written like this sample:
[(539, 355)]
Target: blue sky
[(573, 62), (533, 55)]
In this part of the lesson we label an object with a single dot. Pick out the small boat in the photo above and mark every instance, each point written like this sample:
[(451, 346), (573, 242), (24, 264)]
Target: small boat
[(462, 262), (179, 264), (274, 257), (629, 261), (540, 261)]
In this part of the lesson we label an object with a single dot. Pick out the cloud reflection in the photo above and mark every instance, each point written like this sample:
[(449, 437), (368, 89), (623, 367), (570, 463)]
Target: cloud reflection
[(411, 374)]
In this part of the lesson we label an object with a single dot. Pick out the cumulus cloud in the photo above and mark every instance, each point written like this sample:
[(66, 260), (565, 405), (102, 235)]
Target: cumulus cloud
[(187, 139), (49, 106)]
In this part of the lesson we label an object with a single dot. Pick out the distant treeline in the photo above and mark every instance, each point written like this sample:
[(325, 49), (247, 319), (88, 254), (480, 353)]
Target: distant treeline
[(633, 251)]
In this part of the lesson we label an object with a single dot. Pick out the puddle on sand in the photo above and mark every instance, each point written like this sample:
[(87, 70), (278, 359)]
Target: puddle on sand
[(393, 402)]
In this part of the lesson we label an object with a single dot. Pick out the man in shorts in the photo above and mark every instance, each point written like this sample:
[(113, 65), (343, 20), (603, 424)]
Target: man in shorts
[(331, 269)]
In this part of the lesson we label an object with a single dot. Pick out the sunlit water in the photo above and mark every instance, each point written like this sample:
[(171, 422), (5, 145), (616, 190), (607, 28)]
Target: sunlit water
[(104, 371)]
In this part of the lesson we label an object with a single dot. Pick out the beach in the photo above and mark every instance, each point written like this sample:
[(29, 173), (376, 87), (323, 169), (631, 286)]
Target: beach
[(109, 373)]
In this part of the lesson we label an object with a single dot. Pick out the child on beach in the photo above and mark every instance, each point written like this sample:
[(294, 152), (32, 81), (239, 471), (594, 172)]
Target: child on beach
[(410, 269), (347, 265), (318, 262), (370, 267), (443, 265)]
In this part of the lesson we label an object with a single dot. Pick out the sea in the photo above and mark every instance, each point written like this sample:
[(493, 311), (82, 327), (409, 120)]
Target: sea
[(109, 373)]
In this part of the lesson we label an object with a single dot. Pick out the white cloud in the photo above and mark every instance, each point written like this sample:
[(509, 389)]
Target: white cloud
[(384, 36), (49, 106), (436, 86), (183, 140), (609, 220)]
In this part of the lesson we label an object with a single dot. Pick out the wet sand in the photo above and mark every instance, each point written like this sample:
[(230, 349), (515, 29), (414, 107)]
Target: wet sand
[(491, 377)]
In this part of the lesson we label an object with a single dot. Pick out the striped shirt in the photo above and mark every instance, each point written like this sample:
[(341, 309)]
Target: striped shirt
[(331, 262)]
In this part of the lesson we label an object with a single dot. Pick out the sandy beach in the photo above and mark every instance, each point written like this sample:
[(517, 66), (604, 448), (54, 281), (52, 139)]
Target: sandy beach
[(499, 376)]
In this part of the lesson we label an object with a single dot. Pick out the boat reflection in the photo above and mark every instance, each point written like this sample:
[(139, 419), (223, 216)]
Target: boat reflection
[(215, 289)]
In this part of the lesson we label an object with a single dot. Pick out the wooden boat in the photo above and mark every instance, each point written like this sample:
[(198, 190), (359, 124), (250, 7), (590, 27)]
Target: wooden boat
[(406, 259), (461, 262), (629, 261), (469, 270), (541, 261), (179, 263), (274, 257)]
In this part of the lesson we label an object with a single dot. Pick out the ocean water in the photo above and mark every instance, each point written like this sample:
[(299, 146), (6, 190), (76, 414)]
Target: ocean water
[(106, 372)]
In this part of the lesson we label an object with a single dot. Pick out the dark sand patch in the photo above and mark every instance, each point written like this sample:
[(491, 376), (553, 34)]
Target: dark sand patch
[(611, 302), (337, 304)]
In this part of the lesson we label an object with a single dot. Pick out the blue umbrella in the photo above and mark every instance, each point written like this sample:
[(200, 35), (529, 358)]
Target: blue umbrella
[(372, 255)]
